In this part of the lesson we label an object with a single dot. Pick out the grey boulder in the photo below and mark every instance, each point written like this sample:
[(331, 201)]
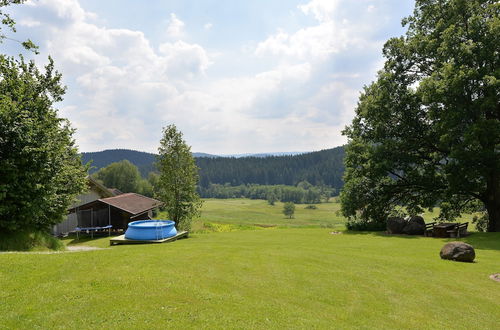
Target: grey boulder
[(458, 251), (415, 226), (395, 225)]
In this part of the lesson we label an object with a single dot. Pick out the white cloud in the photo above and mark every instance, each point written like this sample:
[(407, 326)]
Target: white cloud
[(29, 22), (175, 27), (322, 10), (123, 87), (184, 60)]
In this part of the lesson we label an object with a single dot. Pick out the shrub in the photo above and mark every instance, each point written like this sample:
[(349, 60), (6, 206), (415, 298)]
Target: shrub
[(24, 240), (364, 225)]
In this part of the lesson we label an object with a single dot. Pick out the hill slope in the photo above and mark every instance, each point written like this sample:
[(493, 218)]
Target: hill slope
[(325, 166), (143, 160)]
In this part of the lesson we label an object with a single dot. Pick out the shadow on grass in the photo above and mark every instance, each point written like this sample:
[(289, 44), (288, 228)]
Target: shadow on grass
[(381, 233), (482, 241), (84, 238)]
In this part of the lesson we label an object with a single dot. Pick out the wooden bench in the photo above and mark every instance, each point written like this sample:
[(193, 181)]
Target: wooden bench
[(429, 229), (460, 230)]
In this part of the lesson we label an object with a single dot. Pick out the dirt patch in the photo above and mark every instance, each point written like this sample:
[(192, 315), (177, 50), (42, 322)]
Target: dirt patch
[(76, 248), (495, 277)]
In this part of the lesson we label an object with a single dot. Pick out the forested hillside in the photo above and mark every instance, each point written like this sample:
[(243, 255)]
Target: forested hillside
[(143, 160), (320, 167)]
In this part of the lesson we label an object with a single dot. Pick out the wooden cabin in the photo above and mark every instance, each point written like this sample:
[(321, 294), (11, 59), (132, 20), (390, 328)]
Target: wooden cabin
[(94, 192), (115, 211)]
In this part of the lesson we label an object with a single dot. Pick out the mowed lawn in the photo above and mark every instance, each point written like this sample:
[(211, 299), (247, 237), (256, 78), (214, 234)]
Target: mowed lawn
[(269, 278)]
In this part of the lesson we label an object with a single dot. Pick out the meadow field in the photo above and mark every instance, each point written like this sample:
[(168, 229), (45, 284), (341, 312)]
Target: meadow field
[(276, 274), (241, 213)]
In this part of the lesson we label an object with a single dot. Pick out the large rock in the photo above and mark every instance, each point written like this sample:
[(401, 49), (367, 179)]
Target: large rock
[(395, 225), (417, 219), (458, 251), (415, 226)]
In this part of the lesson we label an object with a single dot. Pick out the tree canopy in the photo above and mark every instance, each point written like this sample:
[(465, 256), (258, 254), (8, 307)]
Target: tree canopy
[(289, 209), (40, 168), (427, 131), (124, 176), (176, 186)]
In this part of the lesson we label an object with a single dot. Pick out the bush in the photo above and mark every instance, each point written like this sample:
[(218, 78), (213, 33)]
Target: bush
[(481, 222), (289, 209), (311, 207), (365, 225), (29, 241)]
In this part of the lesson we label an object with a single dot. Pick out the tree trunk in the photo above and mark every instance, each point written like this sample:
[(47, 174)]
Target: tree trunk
[(493, 203), (493, 216)]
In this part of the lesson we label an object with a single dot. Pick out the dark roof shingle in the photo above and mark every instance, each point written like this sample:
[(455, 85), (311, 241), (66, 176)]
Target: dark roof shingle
[(132, 203)]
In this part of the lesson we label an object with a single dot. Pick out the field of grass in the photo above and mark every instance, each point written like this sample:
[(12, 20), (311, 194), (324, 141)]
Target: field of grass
[(294, 275), (270, 278), (240, 213)]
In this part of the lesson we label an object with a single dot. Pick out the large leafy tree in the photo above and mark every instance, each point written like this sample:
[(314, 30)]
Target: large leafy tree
[(40, 168), (427, 131), (176, 186), (122, 175)]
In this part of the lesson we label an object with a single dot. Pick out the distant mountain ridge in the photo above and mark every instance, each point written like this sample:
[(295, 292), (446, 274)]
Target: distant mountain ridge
[(319, 167)]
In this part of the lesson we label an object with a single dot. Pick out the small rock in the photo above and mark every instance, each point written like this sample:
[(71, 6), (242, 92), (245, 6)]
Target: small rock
[(395, 225), (458, 251), (495, 277)]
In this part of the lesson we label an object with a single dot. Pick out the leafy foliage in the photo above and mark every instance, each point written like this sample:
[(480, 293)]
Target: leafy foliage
[(8, 23), (40, 169), (280, 193), (178, 178), (143, 160), (126, 177), (289, 209), (427, 131)]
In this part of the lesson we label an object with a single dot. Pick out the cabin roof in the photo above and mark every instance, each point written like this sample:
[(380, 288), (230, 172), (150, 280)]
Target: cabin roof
[(131, 203)]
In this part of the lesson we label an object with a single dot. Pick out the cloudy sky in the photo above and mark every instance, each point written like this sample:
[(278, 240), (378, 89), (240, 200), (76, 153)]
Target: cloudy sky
[(234, 76)]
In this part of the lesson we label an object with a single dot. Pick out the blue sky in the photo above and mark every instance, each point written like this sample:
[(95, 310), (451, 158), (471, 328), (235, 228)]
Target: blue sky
[(234, 76)]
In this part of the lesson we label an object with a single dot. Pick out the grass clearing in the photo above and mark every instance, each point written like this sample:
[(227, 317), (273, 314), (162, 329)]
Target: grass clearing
[(286, 273), (240, 213), (282, 278)]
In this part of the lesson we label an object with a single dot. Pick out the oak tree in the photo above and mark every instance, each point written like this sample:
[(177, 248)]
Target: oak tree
[(427, 131)]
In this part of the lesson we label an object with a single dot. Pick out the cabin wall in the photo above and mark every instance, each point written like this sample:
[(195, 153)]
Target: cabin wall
[(71, 222)]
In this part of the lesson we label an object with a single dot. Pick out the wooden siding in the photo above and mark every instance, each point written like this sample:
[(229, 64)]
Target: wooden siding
[(71, 221)]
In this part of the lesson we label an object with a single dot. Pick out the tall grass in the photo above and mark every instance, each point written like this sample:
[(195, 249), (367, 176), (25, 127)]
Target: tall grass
[(25, 240)]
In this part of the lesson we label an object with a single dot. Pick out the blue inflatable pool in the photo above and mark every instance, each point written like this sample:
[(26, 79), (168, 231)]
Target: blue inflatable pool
[(148, 230)]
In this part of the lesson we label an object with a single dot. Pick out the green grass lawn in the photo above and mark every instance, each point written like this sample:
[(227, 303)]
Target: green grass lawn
[(240, 213), (294, 275), (248, 212), (270, 278)]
